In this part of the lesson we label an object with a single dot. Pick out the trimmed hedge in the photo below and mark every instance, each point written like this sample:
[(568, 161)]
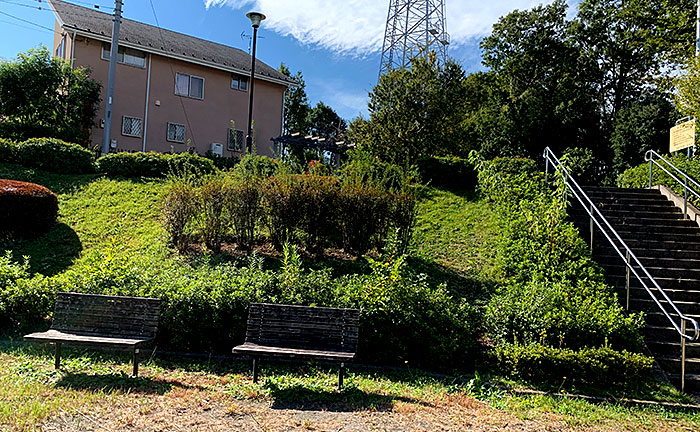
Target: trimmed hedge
[(447, 172), (152, 164), (638, 177), (601, 366), (26, 208), (49, 154)]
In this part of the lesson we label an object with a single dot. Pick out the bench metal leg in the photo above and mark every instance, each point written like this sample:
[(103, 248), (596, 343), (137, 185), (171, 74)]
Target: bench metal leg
[(256, 365), (136, 362), (341, 371), (57, 360)]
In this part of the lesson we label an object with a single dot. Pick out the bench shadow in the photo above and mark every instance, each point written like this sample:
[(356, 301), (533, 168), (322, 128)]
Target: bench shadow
[(114, 382), (350, 399)]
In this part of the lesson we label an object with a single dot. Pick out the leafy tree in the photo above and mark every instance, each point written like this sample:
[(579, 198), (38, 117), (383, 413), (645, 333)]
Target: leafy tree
[(41, 96), (417, 111), (325, 122), (537, 92), (641, 126), (688, 85), (296, 105)]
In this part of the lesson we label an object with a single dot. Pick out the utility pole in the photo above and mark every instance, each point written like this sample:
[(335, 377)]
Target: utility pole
[(255, 18), (114, 49)]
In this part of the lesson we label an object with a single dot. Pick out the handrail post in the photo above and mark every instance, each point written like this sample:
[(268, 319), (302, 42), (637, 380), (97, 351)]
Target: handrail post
[(627, 278), (683, 324), (685, 197), (592, 228), (651, 168), (546, 166)]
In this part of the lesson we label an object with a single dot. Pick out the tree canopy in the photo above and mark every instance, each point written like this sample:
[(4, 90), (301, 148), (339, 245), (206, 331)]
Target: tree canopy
[(42, 96)]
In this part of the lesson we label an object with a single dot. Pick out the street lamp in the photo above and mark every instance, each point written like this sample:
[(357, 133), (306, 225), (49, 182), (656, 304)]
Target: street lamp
[(255, 18)]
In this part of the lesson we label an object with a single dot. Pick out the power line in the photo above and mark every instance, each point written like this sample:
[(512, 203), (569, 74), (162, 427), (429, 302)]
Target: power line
[(172, 72), (26, 5), (26, 21)]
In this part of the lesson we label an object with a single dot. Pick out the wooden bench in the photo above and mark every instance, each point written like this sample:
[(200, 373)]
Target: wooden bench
[(89, 319), (301, 332)]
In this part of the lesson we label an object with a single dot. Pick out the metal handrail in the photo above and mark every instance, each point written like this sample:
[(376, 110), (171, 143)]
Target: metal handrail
[(629, 257), (649, 157)]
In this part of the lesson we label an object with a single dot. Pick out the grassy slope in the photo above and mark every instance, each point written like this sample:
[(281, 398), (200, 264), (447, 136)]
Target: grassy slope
[(453, 243)]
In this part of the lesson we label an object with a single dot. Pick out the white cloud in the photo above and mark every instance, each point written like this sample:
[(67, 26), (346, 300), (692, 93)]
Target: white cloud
[(356, 27)]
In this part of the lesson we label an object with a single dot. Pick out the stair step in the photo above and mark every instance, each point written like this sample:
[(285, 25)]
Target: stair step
[(615, 190), (692, 365), (619, 268), (626, 235), (665, 283), (653, 261), (604, 249), (649, 306), (672, 347), (677, 295)]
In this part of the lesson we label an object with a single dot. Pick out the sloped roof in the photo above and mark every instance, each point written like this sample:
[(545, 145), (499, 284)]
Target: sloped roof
[(162, 41)]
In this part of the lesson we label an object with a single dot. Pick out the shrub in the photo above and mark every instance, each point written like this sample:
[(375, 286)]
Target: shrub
[(211, 204), (222, 162), (179, 207), (638, 177), (364, 212), (152, 164), (554, 294), (26, 208), (8, 152), (447, 172), (256, 166), (281, 196), (318, 200), (403, 217), (244, 207), (54, 155), (600, 366), (402, 317)]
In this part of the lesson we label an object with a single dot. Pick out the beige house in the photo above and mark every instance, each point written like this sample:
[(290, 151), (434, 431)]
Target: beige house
[(173, 92)]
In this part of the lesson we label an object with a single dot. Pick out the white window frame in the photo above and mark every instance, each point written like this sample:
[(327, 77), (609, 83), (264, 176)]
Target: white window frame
[(231, 146), (189, 85), (238, 78), (167, 133), (132, 119), (104, 55)]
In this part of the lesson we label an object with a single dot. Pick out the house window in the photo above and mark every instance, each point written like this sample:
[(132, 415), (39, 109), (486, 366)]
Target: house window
[(125, 55), (236, 140), (239, 82), (189, 85), (132, 126), (176, 132), (61, 48)]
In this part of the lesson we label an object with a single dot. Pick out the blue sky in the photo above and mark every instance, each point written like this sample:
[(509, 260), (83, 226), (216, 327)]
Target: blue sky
[(335, 43)]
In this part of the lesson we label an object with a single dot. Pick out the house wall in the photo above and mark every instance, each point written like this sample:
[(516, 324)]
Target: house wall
[(206, 121)]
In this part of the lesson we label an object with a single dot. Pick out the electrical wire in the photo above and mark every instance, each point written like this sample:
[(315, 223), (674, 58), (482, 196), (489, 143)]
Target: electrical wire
[(26, 21)]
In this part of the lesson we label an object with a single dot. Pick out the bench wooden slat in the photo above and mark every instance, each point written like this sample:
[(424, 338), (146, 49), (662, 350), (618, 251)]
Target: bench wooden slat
[(252, 349), (84, 339)]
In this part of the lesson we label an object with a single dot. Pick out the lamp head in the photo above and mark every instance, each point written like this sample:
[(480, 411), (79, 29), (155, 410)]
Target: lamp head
[(255, 18)]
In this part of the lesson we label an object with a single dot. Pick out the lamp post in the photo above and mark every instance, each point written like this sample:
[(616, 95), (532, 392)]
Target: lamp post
[(255, 18)]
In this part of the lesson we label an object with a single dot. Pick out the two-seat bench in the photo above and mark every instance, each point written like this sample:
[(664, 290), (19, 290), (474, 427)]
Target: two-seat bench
[(90, 319), (301, 332)]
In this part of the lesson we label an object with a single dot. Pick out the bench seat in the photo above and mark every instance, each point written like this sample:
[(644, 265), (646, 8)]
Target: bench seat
[(86, 339), (277, 330), (93, 319), (262, 350)]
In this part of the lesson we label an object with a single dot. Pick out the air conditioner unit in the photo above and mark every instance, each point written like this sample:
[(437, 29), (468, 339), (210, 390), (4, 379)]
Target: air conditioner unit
[(217, 149)]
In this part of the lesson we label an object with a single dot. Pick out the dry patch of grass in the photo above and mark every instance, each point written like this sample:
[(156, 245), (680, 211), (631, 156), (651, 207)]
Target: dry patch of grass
[(94, 392)]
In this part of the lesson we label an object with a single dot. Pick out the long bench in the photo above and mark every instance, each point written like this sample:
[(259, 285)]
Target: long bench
[(90, 319), (301, 332)]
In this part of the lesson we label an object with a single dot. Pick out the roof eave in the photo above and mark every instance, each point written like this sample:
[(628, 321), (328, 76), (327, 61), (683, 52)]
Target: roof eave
[(176, 56)]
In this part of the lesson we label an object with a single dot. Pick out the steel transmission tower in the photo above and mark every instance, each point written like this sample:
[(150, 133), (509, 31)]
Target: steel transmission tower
[(413, 28)]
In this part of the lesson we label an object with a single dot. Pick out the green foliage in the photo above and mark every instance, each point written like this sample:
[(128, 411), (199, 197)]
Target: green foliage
[(244, 207), (53, 155), (688, 84), (152, 164), (296, 105), (41, 96), (8, 150), (213, 222), (416, 112), (26, 209), (555, 294), (178, 210), (583, 165), (600, 366), (325, 122), (256, 167), (222, 162), (447, 172), (638, 177), (402, 317)]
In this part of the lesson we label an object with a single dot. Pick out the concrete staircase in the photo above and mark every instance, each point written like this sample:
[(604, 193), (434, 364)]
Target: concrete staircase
[(669, 247)]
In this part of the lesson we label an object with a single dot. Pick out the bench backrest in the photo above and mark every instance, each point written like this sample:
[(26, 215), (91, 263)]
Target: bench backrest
[(317, 328), (92, 314)]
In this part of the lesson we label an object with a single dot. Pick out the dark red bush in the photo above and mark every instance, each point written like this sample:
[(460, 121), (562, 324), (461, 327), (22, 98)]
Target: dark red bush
[(26, 208)]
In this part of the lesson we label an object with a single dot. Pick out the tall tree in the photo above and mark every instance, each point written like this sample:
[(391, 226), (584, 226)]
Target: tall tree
[(325, 122), (417, 111), (296, 105), (41, 96), (538, 86)]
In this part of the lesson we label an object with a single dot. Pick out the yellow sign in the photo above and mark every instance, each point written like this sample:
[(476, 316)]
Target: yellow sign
[(683, 136)]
